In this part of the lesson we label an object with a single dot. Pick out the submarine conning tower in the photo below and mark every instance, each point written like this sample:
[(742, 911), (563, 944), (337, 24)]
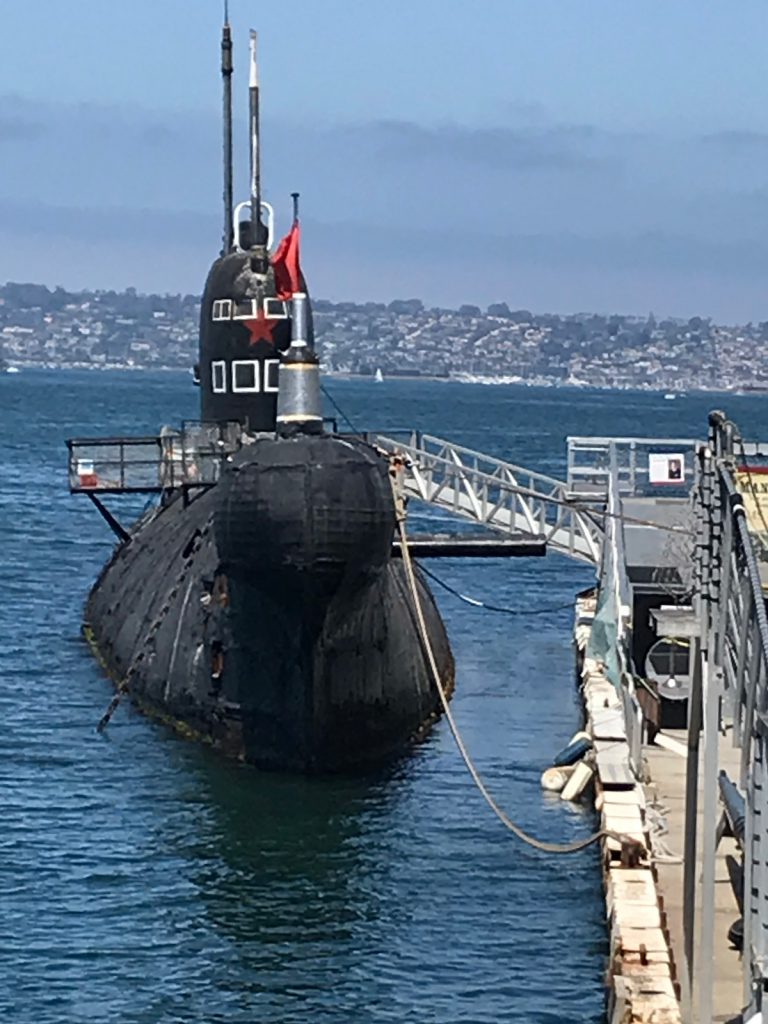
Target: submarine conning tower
[(245, 314), (244, 329)]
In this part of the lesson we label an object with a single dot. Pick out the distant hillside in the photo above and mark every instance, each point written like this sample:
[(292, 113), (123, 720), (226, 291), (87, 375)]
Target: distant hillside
[(44, 327)]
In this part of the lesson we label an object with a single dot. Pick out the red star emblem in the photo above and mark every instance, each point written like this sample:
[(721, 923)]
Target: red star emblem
[(261, 328)]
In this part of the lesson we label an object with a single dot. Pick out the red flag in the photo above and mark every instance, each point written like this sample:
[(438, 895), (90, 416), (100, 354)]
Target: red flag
[(288, 275)]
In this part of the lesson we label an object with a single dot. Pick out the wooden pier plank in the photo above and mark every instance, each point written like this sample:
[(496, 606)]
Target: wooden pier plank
[(623, 798), (642, 969), (608, 724), (613, 769), (633, 940)]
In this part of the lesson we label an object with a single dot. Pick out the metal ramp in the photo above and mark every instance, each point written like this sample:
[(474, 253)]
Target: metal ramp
[(498, 495)]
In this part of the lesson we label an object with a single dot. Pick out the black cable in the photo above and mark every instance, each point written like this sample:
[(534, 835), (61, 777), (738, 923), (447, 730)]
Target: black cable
[(492, 607), (340, 411)]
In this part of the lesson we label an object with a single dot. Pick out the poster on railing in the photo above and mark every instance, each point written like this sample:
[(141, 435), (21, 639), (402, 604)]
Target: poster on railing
[(666, 468)]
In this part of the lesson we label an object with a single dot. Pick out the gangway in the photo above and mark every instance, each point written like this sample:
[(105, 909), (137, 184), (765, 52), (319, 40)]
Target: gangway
[(499, 495)]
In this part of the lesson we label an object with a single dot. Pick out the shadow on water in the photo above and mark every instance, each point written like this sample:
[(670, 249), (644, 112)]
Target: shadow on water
[(284, 857)]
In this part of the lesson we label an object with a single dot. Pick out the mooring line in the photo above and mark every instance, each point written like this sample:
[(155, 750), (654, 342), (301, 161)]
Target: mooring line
[(630, 848), (475, 603), (340, 411)]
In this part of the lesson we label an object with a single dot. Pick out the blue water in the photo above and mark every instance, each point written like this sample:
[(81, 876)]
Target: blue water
[(144, 880)]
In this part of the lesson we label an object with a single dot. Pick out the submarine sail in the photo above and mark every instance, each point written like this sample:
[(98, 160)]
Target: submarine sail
[(257, 606)]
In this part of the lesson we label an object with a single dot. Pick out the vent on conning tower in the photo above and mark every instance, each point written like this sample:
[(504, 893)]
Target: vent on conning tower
[(299, 405), (245, 314)]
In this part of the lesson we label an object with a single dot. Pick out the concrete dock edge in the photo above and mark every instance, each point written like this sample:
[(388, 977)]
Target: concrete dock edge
[(641, 974)]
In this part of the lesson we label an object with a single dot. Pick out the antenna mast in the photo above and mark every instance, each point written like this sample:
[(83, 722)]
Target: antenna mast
[(226, 80), (253, 109)]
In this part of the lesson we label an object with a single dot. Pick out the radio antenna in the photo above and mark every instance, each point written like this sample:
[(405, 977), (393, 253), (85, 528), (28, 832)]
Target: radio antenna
[(253, 109), (226, 81)]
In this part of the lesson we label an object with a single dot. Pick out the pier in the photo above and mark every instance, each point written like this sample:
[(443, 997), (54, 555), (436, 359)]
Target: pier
[(672, 652)]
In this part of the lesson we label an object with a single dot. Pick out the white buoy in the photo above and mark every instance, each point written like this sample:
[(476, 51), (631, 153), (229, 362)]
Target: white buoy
[(554, 779), (578, 782), (577, 736)]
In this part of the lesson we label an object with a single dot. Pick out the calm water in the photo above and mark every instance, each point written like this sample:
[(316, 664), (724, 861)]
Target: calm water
[(143, 880)]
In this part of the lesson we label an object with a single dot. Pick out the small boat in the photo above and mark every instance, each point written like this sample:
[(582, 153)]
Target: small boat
[(670, 395), (378, 376)]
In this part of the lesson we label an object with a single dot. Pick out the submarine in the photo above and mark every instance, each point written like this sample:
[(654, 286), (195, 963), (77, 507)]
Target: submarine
[(257, 604)]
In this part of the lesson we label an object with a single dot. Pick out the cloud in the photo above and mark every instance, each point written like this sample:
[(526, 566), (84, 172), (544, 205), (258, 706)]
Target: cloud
[(629, 272), (14, 128), (511, 149), (105, 226), (736, 140), (658, 250), (325, 240), (448, 206)]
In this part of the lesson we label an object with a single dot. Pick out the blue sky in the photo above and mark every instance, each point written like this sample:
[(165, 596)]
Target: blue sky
[(602, 155)]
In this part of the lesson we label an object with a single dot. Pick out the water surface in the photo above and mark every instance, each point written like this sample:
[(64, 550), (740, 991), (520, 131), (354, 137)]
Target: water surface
[(144, 880)]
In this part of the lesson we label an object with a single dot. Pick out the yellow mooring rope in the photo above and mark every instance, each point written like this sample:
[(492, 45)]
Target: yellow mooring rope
[(631, 849)]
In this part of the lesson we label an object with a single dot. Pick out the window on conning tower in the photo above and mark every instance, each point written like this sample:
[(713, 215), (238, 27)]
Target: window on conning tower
[(222, 309), (275, 309), (271, 372), (219, 377), (245, 375), (248, 309)]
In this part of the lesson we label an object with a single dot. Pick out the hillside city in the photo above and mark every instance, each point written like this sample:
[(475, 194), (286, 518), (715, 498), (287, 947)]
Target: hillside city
[(47, 327)]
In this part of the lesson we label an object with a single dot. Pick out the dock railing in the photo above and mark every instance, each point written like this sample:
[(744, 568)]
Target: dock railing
[(734, 698), (590, 462)]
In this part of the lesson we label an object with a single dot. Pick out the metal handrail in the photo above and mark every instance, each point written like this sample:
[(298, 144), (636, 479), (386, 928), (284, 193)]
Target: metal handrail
[(588, 469), (151, 464), (497, 494), (735, 637)]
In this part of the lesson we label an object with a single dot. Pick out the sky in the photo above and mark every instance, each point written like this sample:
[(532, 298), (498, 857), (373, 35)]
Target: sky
[(562, 156)]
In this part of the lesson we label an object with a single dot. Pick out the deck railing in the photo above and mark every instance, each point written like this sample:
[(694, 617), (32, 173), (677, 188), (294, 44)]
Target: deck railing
[(190, 457)]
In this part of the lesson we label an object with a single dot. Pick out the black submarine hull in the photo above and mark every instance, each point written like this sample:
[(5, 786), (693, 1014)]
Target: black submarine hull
[(266, 615)]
